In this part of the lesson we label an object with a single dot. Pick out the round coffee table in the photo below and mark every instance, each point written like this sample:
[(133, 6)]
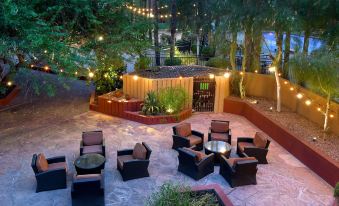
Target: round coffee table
[(218, 148), (89, 164)]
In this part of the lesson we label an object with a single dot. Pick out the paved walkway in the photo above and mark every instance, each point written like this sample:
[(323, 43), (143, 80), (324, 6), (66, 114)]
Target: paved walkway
[(284, 181)]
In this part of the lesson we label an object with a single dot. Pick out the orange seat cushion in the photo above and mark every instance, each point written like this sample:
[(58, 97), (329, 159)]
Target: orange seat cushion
[(183, 130), (139, 152), (242, 145), (194, 140), (123, 158), (199, 155), (233, 161), (57, 165), (260, 140), (41, 163), (219, 137)]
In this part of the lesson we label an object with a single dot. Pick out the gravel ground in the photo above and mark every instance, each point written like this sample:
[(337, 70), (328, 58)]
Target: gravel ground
[(302, 127)]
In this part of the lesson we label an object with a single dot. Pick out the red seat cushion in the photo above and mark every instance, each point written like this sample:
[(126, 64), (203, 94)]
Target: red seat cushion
[(184, 129), (92, 149), (92, 138), (41, 163), (220, 127), (139, 152), (242, 145), (219, 137)]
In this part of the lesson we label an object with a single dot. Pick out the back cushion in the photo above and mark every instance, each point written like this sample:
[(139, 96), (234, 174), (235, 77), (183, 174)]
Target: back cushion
[(41, 163), (199, 155), (139, 152), (92, 138), (219, 126), (260, 140), (184, 130)]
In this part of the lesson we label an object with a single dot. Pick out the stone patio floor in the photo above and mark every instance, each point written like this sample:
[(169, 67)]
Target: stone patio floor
[(284, 181)]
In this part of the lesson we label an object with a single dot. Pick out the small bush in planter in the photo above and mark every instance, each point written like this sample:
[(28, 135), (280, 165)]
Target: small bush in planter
[(178, 195), (173, 62), (151, 104), (142, 63), (217, 62), (172, 99)]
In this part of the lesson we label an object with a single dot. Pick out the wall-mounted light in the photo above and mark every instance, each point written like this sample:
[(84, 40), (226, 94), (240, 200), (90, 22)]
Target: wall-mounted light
[(211, 76), (291, 88), (332, 115), (285, 82), (299, 95), (135, 77), (91, 74), (227, 75), (120, 77), (271, 69), (308, 102)]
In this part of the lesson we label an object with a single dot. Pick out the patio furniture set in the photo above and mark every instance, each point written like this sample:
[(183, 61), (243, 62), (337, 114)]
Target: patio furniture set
[(88, 182), (236, 171)]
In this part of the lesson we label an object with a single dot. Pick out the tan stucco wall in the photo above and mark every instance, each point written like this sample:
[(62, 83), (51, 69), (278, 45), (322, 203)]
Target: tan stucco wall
[(260, 85)]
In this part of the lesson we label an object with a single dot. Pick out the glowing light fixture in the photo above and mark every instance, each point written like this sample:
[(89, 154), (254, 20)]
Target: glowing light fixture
[(227, 75), (308, 102), (46, 68), (120, 77), (291, 88), (271, 69), (91, 74), (332, 115), (299, 95), (135, 77), (9, 83), (285, 82), (319, 109), (100, 38), (256, 71), (211, 76)]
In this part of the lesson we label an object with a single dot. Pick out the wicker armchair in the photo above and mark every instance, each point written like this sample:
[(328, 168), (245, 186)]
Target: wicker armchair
[(254, 147), (184, 136), (195, 164), (220, 131), (92, 142), (239, 171), (50, 173), (88, 190), (133, 163)]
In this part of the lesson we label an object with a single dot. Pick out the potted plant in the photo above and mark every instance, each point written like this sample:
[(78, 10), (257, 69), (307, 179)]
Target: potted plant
[(336, 195)]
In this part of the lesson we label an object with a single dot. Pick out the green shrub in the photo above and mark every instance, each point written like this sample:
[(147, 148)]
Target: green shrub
[(173, 62), (218, 62), (107, 75), (151, 104), (336, 190), (142, 63), (208, 51), (170, 195), (172, 99)]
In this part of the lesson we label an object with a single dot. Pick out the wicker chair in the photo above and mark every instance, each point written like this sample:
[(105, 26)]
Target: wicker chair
[(239, 171), (88, 190), (254, 147), (50, 173), (194, 166), (184, 136), (132, 167), (220, 131), (92, 142)]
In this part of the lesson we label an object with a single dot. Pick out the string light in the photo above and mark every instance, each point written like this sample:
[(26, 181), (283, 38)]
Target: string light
[(148, 13), (91, 74), (120, 77), (9, 83), (76, 73), (100, 38), (46, 68), (308, 102), (45, 51), (32, 65), (61, 70)]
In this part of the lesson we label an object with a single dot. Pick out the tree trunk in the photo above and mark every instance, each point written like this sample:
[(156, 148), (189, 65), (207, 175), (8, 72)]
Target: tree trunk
[(328, 102), (198, 44), (306, 41), (287, 53), (256, 50), (173, 28), (233, 51), (246, 61), (156, 33), (277, 65)]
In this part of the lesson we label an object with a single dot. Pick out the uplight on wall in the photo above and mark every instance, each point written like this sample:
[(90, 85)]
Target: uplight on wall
[(227, 75), (308, 102), (299, 95)]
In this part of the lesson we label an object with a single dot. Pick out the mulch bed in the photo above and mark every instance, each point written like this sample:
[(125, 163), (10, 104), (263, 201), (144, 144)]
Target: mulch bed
[(301, 127)]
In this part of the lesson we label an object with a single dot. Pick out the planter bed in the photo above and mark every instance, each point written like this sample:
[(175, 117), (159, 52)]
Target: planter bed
[(216, 190), (130, 109), (11, 93), (315, 159), (161, 119)]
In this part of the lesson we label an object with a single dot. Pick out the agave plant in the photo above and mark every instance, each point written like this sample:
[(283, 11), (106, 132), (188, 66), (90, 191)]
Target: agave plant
[(151, 104)]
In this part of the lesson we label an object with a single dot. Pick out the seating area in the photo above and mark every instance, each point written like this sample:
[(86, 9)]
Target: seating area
[(161, 164)]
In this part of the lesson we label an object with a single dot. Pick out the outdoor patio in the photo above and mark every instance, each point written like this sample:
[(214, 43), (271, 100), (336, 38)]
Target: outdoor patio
[(284, 181)]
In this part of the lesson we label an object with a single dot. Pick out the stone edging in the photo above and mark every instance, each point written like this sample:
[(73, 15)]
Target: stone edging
[(316, 160), (5, 101)]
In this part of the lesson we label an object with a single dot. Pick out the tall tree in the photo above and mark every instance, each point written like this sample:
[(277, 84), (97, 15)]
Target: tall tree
[(156, 32), (173, 27)]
